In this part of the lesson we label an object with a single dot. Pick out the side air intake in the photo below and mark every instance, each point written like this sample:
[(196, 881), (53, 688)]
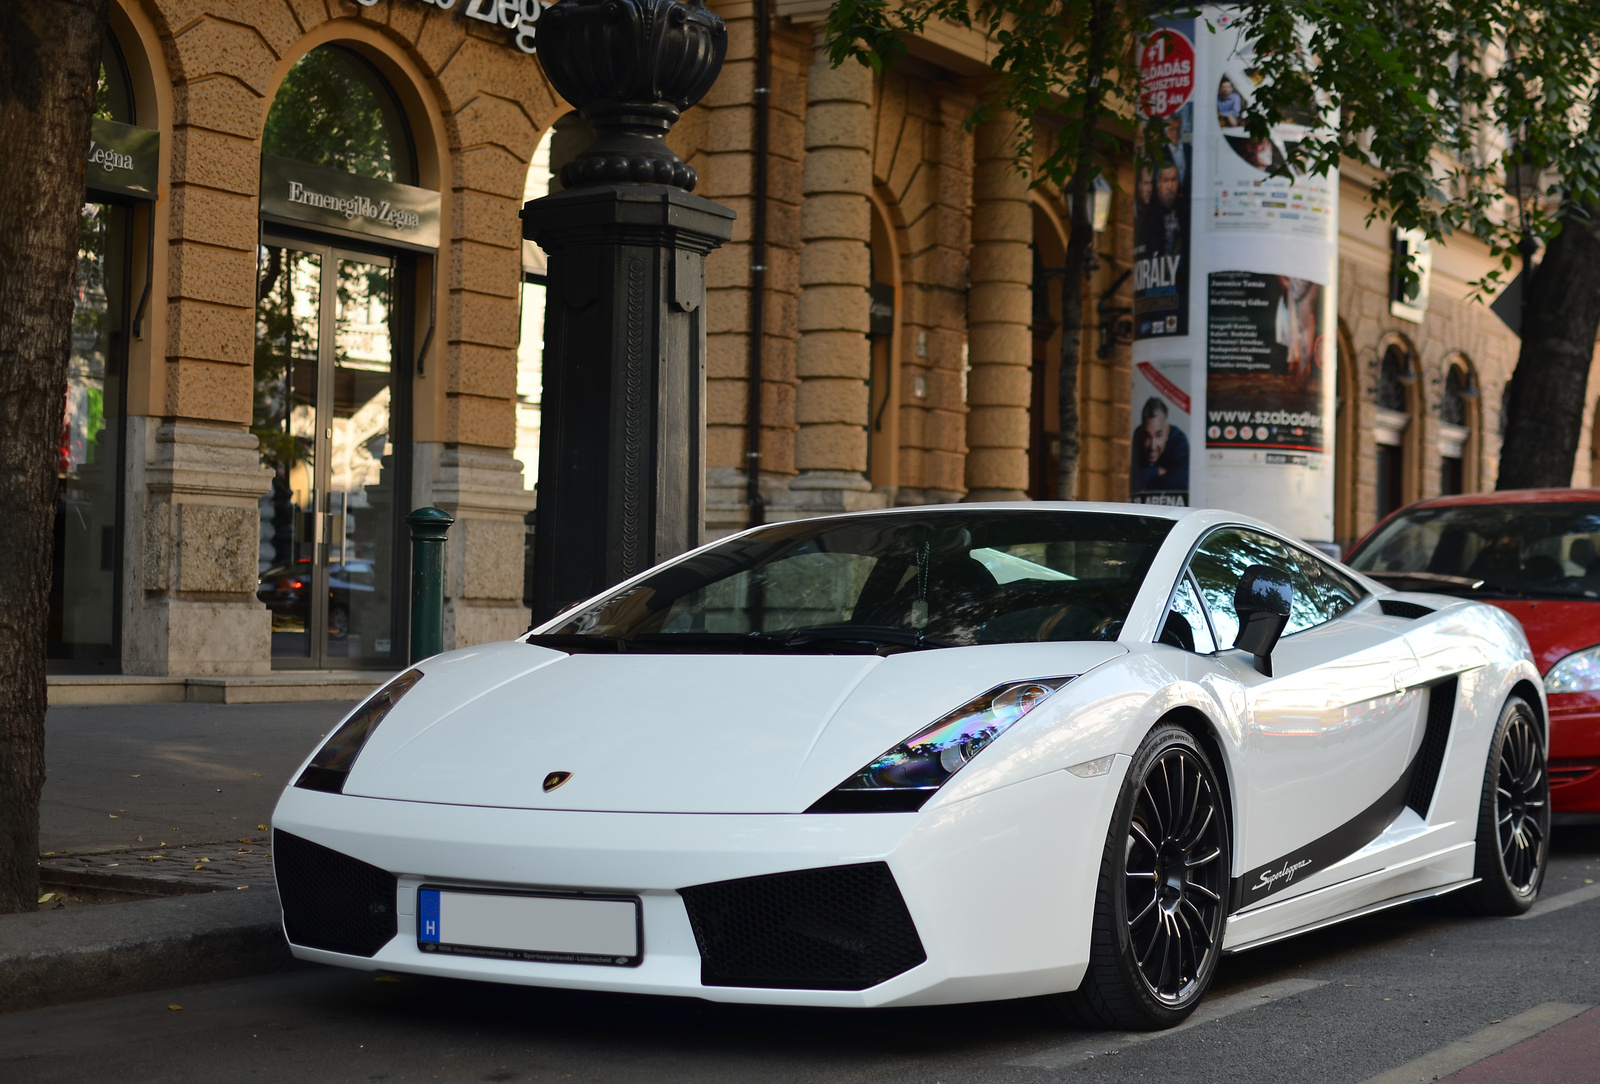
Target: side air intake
[(1430, 758), (838, 928), (330, 900), (1394, 607)]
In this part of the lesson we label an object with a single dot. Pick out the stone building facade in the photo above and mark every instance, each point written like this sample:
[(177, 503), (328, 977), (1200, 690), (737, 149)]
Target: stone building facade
[(269, 377)]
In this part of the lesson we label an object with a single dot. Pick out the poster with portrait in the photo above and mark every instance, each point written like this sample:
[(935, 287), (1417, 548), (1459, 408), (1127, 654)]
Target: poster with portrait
[(1244, 195), (1164, 183), (1159, 445), (1266, 366)]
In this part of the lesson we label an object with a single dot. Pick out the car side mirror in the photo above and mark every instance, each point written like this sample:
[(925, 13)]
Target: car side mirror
[(1262, 602)]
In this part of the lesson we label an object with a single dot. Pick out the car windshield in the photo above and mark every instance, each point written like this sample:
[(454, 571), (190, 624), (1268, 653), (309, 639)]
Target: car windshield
[(901, 581), (1506, 550)]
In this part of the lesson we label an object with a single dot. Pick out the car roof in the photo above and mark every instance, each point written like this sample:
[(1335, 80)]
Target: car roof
[(1514, 496)]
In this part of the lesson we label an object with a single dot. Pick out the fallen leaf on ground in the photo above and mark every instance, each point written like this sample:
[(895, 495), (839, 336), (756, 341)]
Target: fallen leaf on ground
[(261, 827), (135, 775), (113, 816), (47, 897), (46, 854), (246, 841), (243, 887), (174, 1008)]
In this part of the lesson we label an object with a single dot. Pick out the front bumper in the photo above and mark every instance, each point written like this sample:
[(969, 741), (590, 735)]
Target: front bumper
[(1000, 887), (1575, 752)]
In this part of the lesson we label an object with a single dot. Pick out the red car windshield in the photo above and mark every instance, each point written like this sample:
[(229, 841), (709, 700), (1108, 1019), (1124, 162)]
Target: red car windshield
[(1499, 550)]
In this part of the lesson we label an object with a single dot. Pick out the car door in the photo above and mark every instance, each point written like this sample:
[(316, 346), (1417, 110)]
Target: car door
[(1329, 736)]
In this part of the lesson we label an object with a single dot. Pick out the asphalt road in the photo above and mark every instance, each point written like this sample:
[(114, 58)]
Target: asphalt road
[(1346, 1004)]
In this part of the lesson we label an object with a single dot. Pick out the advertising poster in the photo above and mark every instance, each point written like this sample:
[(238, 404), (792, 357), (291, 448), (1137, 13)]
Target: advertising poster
[(1164, 185), (1266, 365), (1242, 195), (1159, 472)]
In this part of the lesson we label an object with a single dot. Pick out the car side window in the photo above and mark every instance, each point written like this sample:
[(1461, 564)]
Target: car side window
[(1329, 592), (1220, 563), (1186, 625)]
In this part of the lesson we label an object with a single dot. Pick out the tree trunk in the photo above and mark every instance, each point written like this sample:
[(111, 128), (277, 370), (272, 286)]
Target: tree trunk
[(1544, 411), (49, 62)]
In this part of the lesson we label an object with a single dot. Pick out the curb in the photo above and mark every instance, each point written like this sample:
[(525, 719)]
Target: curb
[(107, 949)]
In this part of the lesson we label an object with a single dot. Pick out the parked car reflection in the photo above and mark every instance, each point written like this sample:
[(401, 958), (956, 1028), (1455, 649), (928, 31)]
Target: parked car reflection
[(286, 591)]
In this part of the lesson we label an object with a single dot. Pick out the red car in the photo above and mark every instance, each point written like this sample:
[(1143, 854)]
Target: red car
[(1535, 553)]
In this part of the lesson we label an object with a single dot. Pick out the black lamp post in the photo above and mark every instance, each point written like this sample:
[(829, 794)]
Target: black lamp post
[(622, 441)]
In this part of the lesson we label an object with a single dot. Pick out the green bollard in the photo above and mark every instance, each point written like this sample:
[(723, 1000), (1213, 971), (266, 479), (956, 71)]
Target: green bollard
[(429, 526)]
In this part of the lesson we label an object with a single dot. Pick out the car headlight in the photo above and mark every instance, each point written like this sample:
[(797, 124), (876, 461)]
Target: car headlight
[(905, 777), (331, 766), (1579, 672)]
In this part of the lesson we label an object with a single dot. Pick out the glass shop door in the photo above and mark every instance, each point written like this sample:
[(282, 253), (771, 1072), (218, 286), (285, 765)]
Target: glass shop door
[(326, 413)]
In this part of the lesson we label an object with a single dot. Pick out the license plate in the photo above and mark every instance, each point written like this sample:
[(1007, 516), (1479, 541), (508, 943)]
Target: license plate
[(530, 926)]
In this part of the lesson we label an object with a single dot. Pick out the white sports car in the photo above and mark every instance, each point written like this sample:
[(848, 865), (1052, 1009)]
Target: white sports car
[(927, 755)]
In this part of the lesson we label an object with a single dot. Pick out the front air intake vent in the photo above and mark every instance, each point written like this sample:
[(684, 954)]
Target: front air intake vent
[(1394, 607), (839, 928), (330, 900)]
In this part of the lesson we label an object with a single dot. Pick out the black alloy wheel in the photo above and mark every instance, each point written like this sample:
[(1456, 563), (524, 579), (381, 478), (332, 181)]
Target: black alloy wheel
[(1163, 891), (1513, 817)]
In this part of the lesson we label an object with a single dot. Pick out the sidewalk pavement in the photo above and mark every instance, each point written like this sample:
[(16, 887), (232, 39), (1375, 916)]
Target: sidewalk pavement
[(136, 796)]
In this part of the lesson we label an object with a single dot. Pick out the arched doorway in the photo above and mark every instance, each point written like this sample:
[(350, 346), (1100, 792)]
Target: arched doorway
[(344, 228)]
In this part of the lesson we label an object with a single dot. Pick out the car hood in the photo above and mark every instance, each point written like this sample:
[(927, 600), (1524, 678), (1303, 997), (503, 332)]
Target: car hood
[(1555, 627), (672, 733)]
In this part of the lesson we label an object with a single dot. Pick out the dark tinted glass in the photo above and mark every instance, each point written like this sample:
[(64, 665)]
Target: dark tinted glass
[(928, 579), (1321, 592), (1540, 550), (334, 110)]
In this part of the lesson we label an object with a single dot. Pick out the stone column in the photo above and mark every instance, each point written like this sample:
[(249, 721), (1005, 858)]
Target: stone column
[(999, 319), (835, 357), (195, 563)]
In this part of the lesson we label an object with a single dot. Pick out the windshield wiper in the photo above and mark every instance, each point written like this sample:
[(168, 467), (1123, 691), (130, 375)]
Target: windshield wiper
[(882, 635)]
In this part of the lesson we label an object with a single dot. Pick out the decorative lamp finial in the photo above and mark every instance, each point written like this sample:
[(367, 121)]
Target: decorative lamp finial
[(631, 67)]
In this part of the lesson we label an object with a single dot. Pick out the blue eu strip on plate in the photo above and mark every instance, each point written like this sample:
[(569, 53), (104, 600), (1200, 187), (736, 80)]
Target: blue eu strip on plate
[(428, 915)]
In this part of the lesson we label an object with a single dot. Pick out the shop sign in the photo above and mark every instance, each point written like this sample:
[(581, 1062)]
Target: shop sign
[(307, 195), (122, 159), (517, 16)]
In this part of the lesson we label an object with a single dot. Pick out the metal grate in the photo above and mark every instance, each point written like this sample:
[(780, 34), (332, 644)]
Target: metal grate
[(1430, 757), (330, 900), (1564, 770), (839, 928), (1393, 607)]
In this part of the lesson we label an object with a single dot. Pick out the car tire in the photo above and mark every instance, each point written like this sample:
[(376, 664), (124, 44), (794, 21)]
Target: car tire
[(1513, 818), (1162, 898)]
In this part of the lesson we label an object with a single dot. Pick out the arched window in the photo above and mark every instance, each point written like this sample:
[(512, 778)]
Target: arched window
[(1458, 430), (333, 109), (1393, 431), (883, 385)]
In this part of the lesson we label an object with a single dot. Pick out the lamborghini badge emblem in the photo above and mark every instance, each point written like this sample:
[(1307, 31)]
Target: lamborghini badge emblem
[(554, 780)]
